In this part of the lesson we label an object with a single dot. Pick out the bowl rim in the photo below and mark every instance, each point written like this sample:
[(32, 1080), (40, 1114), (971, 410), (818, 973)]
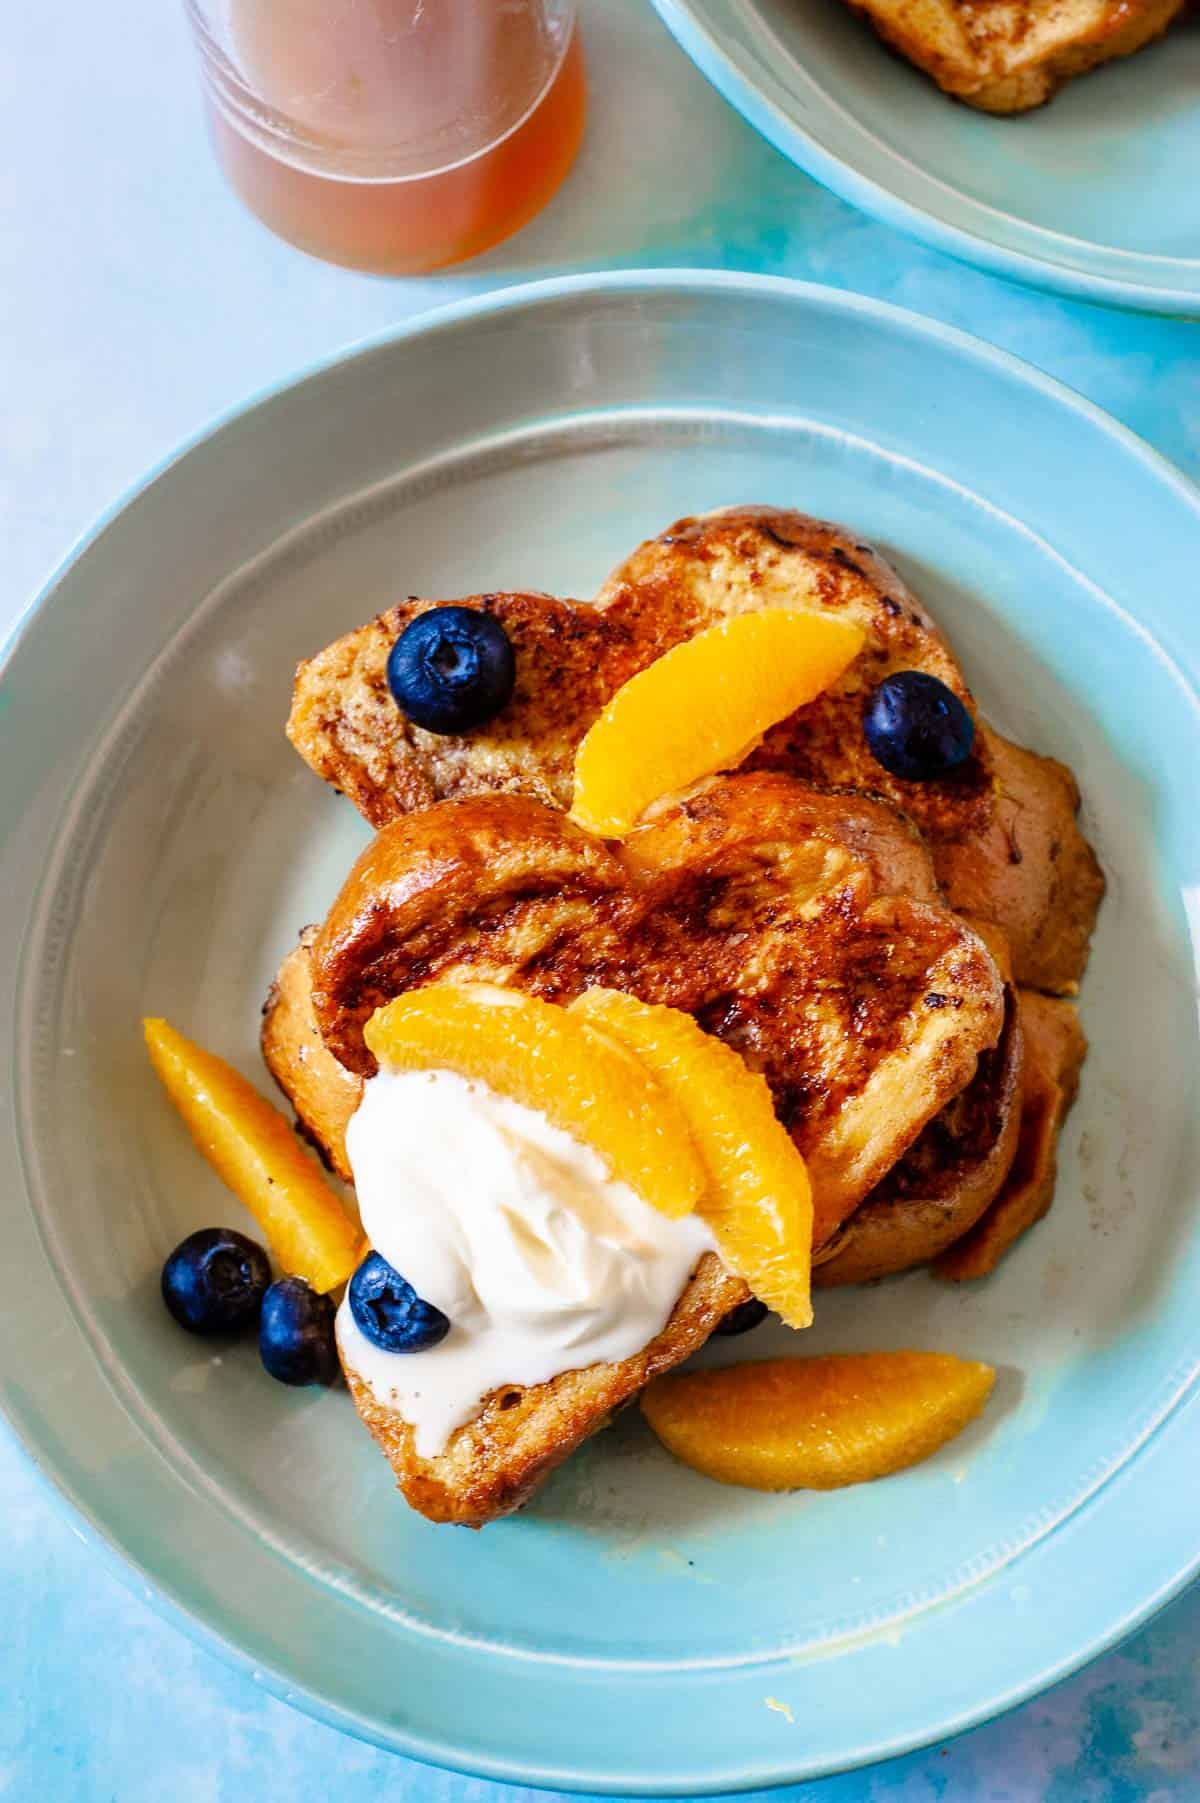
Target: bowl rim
[(518, 295), (164, 1593)]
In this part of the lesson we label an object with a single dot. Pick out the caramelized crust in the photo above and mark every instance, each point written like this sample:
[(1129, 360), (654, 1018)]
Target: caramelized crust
[(569, 660), (1055, 1048), (726, 855), (946, 1179), (938, 1189), (491, 1465), (1002, 829), (500, 881), (866, 1010), (745, 822), (956, 1166)]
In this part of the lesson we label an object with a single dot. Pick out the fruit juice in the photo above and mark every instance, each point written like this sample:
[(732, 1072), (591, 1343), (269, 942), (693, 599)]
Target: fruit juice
[(394, 135)]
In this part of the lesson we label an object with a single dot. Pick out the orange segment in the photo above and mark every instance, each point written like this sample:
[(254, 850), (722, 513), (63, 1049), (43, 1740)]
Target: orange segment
[(758, 1201), (540, 1055), (819, 1423), (703, 707), (253, 1149)]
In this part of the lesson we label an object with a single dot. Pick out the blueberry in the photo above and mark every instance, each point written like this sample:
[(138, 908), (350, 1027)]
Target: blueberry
[(916, 727), (389, 1311), (295, 1336), (215, 1280), (451, 668), (745, 1316)]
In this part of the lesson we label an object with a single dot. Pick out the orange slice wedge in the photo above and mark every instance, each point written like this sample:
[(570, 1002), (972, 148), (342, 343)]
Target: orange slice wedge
[(253, 1149), (536, 1053), (758, 1200), (819, 1423), (703, 707)]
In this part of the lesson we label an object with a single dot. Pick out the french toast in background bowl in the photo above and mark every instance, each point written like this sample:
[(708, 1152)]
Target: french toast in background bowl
[(1039, 140), (875, 918), (1006, 56)]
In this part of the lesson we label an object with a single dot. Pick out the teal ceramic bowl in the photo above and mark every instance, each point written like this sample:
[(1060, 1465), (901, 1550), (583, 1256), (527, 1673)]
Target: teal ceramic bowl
[(1093, 196), (637, 1628)]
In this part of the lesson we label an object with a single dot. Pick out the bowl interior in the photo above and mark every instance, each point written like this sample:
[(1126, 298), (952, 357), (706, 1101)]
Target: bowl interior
[(200, 845), (162, 846)]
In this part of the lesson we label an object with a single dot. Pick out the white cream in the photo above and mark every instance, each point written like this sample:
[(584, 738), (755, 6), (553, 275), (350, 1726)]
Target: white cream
[(516, 1231)]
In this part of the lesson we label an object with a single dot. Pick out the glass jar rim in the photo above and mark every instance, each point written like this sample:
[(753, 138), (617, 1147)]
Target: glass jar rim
[(279, 135)]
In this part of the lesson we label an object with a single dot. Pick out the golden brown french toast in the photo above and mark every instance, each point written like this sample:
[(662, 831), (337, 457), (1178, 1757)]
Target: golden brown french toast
[(865, 1009), (323, 1093), (1001, 829), (490, 1465), (948, 1177), (931, 1196), (729, 888), (1005, 56), (1055, 1048)]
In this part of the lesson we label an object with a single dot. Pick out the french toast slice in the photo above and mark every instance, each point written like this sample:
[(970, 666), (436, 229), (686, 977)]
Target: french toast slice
[(949, 1176), (1005, 56), (491, 1465), (503, 887), (1002, 829), (933, 1194), (1055, 1048), (865, 1009), (323, 1094)]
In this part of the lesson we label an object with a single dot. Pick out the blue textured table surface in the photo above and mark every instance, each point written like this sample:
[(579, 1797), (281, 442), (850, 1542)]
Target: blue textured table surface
[(136, 300)]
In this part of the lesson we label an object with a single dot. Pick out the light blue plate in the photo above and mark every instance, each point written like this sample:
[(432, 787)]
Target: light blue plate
[(637, 1628), (1096, 195)]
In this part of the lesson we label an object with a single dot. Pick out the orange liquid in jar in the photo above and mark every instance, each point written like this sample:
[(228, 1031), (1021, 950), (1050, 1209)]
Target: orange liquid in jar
[(398, 135)]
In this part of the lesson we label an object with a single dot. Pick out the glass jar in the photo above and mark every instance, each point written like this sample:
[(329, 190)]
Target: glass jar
[(392, 135)]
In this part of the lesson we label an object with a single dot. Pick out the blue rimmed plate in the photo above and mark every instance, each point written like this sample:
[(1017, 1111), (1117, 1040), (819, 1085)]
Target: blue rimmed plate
[(1091, 196), (637, 1628)]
